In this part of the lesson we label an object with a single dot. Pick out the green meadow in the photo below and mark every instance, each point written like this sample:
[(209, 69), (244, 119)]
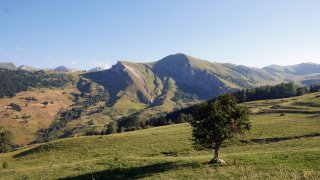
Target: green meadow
[(283, 144)]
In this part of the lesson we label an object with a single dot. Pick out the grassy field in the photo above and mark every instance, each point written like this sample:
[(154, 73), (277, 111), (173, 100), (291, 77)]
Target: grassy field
[(279, 146), (41, 116)]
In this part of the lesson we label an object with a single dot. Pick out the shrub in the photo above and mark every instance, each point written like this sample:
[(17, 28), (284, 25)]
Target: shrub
[(5, 165), (112, 127), (15, 107)]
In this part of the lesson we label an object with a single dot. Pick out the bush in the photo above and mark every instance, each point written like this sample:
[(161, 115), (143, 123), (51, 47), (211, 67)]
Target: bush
[(15, 107), (5, 165), (112, 127)]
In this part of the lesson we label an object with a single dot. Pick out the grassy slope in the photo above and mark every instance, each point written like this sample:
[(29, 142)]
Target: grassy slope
[(230, 74), (145, 87), (167, 153), (40, 117)]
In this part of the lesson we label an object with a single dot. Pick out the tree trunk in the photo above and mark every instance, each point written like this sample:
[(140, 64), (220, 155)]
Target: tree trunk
[(216, 155)]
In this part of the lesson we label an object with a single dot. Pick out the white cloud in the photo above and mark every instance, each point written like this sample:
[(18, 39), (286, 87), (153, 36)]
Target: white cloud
[(102, 64), (73, 62), (1, 51)]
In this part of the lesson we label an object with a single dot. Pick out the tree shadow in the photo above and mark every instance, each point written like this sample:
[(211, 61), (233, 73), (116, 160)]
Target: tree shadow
[(127, 173), (37, 149)]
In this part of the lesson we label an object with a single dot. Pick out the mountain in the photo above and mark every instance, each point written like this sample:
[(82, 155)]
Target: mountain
[(66, 69), (181, 75), (8, 65), (96, 69), (299, 69), (179, 80), (27, 68), (208, 79)]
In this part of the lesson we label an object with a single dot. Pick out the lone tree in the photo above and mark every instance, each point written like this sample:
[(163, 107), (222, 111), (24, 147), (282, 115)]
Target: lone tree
[(6, 141), (218, 121)]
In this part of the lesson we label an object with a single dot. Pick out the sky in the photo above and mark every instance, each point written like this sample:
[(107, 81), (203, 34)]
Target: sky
[(85, 34)]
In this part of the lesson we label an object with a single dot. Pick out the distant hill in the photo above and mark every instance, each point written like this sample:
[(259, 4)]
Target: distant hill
[(8, 65), (27, 68), (299, 69), (96, 69), (66, 69)]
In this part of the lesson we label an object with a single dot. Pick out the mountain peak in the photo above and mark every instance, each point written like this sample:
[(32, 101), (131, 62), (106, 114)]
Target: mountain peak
[(178, 59)]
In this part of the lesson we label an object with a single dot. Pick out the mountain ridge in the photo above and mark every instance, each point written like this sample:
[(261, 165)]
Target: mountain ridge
[(145, 82)]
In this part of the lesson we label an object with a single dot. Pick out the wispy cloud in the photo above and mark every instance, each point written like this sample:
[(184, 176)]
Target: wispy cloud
[(1, 51), (73, 62), (102, 64)]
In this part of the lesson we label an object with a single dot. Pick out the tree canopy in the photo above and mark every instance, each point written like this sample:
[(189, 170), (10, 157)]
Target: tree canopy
[(6, 141), (218, 121)]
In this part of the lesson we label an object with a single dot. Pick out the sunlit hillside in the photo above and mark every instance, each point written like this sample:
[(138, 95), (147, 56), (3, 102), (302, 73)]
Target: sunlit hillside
[(284, 143)]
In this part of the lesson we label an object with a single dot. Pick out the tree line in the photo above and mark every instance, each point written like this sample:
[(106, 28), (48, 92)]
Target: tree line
[(283, 90), (135, 122), (15, 81)]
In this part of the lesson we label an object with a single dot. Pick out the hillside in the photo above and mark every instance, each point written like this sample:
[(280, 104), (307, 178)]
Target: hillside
[(38, 115), (279, 146), (180, 80), (144, 90), (191, 76)]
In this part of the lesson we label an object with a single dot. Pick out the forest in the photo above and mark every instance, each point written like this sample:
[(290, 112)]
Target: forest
[(15, 81), (283, 90)]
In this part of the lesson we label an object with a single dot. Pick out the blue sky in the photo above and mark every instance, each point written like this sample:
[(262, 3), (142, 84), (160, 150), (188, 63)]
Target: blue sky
[(84, 34)]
